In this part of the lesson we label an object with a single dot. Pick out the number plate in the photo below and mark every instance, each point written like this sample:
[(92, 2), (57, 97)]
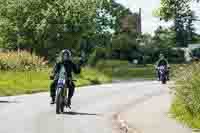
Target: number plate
[(61, 82)]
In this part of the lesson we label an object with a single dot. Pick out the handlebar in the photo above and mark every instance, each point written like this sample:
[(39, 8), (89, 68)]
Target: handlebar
[(71, 80)]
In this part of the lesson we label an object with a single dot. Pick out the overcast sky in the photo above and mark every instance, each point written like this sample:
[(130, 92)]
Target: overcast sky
[(149, 22)]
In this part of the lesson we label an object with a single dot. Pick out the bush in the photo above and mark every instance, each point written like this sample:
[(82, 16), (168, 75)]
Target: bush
[(187, 92), (99, 53), (151, 55), (196, 53), (124, 70), (111, 63), (20, 61), (91, 76), (176, 56)]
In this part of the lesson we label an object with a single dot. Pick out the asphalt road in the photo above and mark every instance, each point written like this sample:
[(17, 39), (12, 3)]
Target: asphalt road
[(92, 109)]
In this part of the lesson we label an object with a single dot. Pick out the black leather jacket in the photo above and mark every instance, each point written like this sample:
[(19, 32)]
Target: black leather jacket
[(70, 68)]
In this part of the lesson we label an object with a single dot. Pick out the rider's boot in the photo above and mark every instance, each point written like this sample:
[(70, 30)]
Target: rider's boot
[(69, 103), (52, 100), (168, 78)]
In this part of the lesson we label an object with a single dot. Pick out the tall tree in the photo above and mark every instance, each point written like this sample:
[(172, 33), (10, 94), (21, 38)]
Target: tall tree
[(178, 11), (46, 24)]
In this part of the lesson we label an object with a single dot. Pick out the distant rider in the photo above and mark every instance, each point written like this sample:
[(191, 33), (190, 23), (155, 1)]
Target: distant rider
[(162, 62)]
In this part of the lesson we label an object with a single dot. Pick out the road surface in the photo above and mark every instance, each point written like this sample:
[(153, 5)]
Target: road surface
[(92, 111)]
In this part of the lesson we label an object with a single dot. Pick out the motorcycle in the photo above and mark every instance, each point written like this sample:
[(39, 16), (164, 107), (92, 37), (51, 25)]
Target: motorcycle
[(62, 91), (162, 74)]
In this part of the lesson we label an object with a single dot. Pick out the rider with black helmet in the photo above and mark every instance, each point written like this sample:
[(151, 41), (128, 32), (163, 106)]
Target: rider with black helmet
[(162, 62), (69, 67)]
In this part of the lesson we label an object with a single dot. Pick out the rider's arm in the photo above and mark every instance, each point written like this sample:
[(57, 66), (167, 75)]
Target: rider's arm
[(76, 68), (157, 64), (55, 69), (168, 66)]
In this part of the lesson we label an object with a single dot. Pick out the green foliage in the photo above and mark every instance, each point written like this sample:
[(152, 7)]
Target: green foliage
[(47, 26), (162, 42), (21, 61), (196, 53), (182, 114), (187, 94), (120, 13), (175, 56), (164, 37), (99, 53), (111, 63), (119, 69), (91, 76), (124, 46), (95, 42), (169, 9), (180, 12)]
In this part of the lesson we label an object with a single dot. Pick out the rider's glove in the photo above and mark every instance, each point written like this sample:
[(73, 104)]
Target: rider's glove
[(51, 77)]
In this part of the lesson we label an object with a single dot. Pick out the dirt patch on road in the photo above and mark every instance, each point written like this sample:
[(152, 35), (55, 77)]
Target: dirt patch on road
[(121, 126)]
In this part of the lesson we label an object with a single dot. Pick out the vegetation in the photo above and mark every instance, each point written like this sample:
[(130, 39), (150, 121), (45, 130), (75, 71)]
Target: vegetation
[(104, 33), (124, 70), (185, 107), (22, 72), (26, 82), (162, 42), (179, 11), (102, 29), (46, 27), (21, 61), (14, 83)]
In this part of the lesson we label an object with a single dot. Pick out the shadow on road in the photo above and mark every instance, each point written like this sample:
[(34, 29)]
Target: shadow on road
[(4, 101), (78, 113)]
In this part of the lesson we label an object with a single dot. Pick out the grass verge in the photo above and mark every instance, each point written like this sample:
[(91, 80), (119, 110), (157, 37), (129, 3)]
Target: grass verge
[(15, 83), (181, 113), (186, 104), (124, 70), (124, 73)]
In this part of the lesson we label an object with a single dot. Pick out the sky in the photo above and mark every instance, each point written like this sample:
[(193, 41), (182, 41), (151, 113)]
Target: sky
[(149, 22)]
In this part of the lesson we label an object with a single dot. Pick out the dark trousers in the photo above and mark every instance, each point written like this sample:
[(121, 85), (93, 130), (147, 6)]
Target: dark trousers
[(167, 74), (70, 86)]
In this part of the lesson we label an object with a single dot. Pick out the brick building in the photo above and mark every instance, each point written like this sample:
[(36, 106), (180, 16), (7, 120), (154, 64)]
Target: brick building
[(132, 23)]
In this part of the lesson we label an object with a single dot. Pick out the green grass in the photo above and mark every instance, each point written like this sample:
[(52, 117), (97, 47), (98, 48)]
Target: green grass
[(124, 70), (15, 83), (183, 115), (128, 72), (91, 76), (186, 104)]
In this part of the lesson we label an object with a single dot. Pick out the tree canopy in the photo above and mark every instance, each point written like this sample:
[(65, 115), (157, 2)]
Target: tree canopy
[(38, 24), (181, 13)]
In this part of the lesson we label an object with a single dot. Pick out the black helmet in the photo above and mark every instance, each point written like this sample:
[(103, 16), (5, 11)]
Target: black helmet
[(66, 55)]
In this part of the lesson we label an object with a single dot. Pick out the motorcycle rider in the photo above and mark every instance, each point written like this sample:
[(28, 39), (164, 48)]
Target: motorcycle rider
[(69, 68), (162, 62)]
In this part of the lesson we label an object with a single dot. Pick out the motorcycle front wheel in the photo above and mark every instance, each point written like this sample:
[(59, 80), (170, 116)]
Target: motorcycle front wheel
[(59, 101)]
